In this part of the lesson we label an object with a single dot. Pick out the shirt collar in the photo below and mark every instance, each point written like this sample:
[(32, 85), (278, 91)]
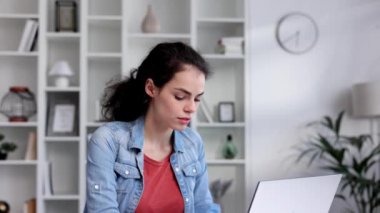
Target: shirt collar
[(137, 134), (137, 137)]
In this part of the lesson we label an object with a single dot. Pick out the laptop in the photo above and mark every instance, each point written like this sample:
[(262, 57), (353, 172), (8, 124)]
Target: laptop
[(299, 195)]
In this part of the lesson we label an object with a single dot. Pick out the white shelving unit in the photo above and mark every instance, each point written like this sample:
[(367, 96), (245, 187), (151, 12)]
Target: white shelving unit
[(18, 176), (109, 43), (214, 19)]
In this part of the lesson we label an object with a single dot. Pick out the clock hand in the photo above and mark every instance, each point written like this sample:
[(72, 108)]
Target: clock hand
[(291, 37), (297, 38)]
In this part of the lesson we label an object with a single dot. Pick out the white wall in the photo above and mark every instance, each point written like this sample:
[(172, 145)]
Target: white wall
[(287, 91)]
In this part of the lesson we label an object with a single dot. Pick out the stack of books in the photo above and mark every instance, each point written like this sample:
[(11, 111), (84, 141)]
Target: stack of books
[(29, 36), (231, 46)]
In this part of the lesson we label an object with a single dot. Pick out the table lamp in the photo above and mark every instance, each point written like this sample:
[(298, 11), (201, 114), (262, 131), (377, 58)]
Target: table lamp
[(366, 99), (366, 104), (61, 70)]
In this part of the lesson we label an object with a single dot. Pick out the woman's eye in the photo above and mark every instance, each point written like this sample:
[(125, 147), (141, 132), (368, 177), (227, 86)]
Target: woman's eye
[(179, 98), (197, 100)]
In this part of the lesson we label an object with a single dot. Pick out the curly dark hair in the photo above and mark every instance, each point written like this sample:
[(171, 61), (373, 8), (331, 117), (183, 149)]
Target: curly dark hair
[(126, 100)]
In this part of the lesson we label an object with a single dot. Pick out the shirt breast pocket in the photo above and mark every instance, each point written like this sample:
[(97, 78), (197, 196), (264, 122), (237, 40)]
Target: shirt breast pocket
[(127, 175), (191, 171)]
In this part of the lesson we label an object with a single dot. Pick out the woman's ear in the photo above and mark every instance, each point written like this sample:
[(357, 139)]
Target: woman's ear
[(150, 88)]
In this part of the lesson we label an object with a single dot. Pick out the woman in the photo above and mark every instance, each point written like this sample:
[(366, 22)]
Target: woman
[(147, 159)]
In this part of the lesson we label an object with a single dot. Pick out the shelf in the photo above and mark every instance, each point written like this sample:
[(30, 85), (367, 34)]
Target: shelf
[(104, 18), (62, 139), (221, 20), (62, 35), (220, 56), (18, 124), (61, 197), (159, 35), (226, 162), (217, 125), (18, 16), (104, 55), (94, 124), (68, 89), (18, 162), (16, 53)]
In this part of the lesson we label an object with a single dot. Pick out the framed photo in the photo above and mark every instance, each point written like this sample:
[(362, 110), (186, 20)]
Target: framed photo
[(66, 16), (62, 116), (226, 111)]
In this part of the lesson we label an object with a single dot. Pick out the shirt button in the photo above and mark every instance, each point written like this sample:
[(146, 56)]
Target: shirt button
[(96, 186), (177, 169), (126, 172), (194, 171), (187, 200)]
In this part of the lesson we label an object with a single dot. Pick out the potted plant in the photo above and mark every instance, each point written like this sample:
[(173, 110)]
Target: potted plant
[(355, 157), (5, 148)]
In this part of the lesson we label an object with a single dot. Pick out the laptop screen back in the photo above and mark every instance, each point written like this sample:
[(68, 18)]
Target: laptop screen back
[(299, 195)]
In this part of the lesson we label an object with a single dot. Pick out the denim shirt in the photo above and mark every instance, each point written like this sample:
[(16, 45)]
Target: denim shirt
[(115, 168)]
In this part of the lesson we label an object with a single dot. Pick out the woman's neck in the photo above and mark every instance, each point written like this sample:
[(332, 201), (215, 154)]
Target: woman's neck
[(157, 139)]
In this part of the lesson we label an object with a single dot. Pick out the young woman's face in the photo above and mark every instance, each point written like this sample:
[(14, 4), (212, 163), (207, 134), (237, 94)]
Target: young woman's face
[(174, 104)]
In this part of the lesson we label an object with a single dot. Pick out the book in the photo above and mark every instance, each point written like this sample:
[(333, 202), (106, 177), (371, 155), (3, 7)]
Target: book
[(25, 34), (47, 179), (30, 206), (35, 41), (232, 45), (28, 36), (32, 36), (31, 147), (206, 111)]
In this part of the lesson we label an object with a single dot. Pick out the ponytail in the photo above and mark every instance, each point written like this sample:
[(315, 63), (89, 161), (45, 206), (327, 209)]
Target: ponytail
[(125, 100)]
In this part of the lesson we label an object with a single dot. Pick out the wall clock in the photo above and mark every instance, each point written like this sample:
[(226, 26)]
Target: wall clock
[(296, 33)]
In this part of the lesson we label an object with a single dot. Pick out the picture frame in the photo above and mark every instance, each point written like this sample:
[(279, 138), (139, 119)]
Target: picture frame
[(62, 116), (226, 111), (66, 16)]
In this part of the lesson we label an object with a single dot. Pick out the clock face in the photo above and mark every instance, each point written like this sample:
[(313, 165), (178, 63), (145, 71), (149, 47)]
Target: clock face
[(296, 33)]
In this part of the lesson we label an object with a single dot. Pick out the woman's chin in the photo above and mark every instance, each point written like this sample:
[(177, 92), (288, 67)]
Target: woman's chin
[(179, 127)]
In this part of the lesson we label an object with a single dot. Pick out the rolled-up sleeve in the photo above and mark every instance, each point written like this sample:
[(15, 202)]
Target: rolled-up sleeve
[(101, 193)]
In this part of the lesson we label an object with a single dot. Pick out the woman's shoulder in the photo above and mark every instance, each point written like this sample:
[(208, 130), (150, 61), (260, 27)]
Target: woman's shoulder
[(191, 136), (113, 129), (116, 125)]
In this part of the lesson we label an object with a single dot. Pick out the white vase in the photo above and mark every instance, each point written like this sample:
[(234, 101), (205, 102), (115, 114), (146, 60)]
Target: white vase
[(150, 22)]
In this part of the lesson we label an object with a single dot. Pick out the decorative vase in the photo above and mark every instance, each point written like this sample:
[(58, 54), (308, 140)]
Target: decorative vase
[(150, 23), (3, 156), (229, 149)]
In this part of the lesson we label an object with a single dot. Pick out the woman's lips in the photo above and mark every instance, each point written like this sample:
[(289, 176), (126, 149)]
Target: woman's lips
[(184, 120)]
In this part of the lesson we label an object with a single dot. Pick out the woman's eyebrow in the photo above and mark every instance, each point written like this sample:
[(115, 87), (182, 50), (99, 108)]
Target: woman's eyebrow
[(187, 92)]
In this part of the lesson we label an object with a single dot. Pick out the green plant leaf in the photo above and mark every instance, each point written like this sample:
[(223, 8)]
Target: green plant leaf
[(334, 169), (7, 147), (303, 154), (340, 196), (328, 122), (338, 122)]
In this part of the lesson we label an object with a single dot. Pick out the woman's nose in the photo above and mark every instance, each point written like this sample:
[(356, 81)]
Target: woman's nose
[(191, 106)]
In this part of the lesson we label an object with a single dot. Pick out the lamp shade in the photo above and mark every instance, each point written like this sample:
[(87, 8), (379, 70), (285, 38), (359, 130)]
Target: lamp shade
[(61, 68), (366, 99)]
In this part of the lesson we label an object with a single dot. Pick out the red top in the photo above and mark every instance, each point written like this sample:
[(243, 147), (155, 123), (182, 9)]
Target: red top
[(161, 191)]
